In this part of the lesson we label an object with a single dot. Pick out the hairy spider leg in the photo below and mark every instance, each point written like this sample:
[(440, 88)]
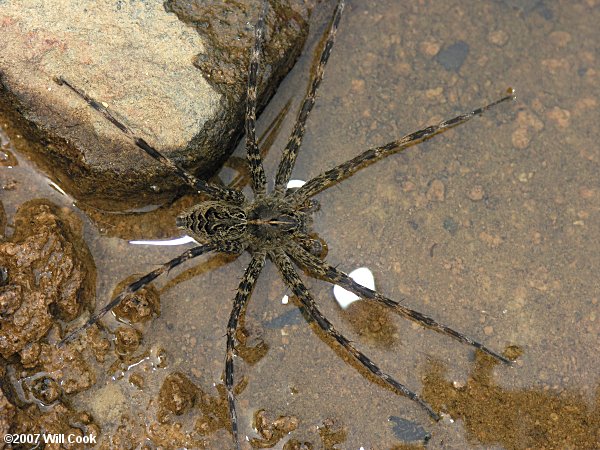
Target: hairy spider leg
[(288, 159), (324, 271), (241, 298), (257, 172), (294, 282), (346, 169), (265, 141), (212, 190), (136, 286)]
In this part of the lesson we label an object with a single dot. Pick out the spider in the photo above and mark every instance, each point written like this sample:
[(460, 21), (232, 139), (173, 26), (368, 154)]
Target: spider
[(276, 224)]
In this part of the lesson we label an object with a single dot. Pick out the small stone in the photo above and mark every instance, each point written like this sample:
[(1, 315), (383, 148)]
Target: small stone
[(409, 431), (140, 306), (272, 431), (453, 56), (137, 380), (450, 225), (498, 37), (489, 330), (585, 104), (127, 340), (408, 186), (560, 38), (30, 354), (587, 193), (11, 298), (476, 193), (286, 424), (556, 66), (434, 93), (358, 85), (530, 120), (521, 137), (561, 117), (436, 191), (45, 390), (177, 394), (458, 384), (527, 123), (491, 240), (429, 48)]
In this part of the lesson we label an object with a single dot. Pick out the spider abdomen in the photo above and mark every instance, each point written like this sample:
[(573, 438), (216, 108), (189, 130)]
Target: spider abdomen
[(218, 223)]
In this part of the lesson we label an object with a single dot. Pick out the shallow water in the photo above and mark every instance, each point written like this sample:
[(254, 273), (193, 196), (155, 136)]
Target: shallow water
[(491, 228)]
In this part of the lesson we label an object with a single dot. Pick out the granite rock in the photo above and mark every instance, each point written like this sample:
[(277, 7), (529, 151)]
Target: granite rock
[(174, 72)]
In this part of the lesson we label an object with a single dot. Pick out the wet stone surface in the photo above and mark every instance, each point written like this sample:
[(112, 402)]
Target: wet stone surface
[(49, 275), (214, 413), (174, 73), (271, 431), (40, 380), (128, 340), (50, 278), (139, 307), (177, 395), (2, 220)]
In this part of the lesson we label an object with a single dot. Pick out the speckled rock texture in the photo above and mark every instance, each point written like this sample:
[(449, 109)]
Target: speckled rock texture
[(49, 275), (174, 72)]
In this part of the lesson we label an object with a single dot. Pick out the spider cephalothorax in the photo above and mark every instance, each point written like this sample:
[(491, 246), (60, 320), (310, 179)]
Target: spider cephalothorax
[(271, 222), (276, 224)]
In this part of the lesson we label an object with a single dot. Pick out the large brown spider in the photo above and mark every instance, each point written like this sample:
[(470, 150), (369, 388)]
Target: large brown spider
[(277, 224)]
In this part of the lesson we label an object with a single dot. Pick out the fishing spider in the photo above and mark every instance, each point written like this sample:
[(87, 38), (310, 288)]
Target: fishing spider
[(277, 224)]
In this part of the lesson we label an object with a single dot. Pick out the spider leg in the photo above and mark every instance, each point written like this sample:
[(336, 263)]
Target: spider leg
[(291, 150), (257, 171), (295, 283), (212, 190), (322, 270), (241, 298), (346, 169), (135, 286), (265, 142), (315, 246)]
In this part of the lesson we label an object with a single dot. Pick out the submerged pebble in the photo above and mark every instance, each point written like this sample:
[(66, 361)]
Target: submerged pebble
[(409, 431)]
